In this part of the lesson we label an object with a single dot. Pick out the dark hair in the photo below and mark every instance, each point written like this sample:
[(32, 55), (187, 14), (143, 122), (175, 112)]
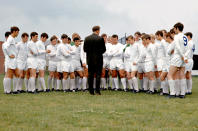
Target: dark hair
[(169, 35), (179, 26), (33, 34), (130, 37), (69, 38), (7, 34), (95, 28), (44, 35), (75, 39), (104, 35), (64, 36), (172, 31), (146, 36), (53, 38), (137, 33), (189, 34), (14, 28), (24, 35), (114, 36), (159, 33)]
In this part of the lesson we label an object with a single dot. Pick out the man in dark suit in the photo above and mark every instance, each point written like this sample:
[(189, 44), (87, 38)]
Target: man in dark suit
[(94, 46)]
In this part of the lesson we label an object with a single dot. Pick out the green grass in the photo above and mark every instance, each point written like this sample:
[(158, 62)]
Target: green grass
[(114, 111)]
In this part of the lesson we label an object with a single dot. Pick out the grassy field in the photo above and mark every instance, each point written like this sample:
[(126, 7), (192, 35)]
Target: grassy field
[(112, 111)]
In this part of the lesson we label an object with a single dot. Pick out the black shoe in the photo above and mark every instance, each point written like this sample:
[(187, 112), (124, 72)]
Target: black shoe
[(98, 93), (171, 96), (182, 96), (109, 88), (8, 93), (144, 91), (52, 89), (91, 92), (40, 91), (135, 91), (84, 90), (15, 92), (189, 93), (22, 91), (57, 90), (47, 90), (36, 90)]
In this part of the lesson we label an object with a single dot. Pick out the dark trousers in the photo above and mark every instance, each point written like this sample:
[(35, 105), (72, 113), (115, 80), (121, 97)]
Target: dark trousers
[(94, 69)]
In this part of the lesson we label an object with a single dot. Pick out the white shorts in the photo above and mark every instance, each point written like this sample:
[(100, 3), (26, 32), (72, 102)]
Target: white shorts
[(52, 66), (166, 67), (11, 64), (41, 64), (189, 65), (59, 66), (149, 66), (129, 67), (32, 63), (106, 64), (116, 64), (67, 66), (141, 68), (160, 64), (76, 66), (22, 65), (177, 61)]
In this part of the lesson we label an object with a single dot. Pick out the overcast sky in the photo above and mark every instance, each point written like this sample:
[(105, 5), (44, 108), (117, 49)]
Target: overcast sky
[(114, 16)]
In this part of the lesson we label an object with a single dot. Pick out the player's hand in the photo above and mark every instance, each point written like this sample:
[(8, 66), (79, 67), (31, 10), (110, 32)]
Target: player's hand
[(12, 56), (48, 51), (186, 61), (155, 66), (172, 51), (134, 63), (84, 65)]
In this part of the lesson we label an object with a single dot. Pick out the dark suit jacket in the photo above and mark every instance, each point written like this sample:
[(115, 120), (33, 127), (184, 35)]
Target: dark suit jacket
[(94, 46)]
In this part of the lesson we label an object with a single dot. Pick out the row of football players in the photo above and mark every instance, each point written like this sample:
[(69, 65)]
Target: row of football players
[(152, 58)]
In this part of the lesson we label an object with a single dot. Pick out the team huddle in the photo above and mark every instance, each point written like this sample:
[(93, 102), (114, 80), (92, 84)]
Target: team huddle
[(162, 62)]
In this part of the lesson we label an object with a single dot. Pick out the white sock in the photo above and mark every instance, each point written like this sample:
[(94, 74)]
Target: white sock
[(172, 87), (76, 81), (151, 85), (141, 84), (31, 83), (135, 83), (49, 82), (7, 84), (183, 86), (158, 82), (4, 87), (72, 84), (115, 80), (79, 84), (177, 87), (84, 83), (130, 82), (189, 85), (103, 80), (123, 80), (164, 87), (26, 84), (42, 83), (38, 84), (15, 80), (58, 84), (54, 83), (65, 84), (20, 84), (145, 83)]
